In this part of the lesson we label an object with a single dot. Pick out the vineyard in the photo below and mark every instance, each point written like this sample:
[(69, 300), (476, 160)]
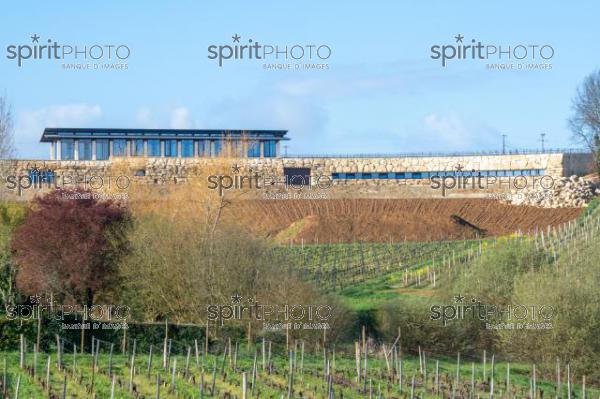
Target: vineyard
[(236, 370), (335, 267), (423, 264), (226, 367)]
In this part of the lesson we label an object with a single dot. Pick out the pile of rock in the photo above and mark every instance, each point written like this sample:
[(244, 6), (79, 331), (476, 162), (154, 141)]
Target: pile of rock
[(565, 192)]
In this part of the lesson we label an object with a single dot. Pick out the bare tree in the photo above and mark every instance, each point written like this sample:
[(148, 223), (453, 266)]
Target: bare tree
[(7, 149), (585, 121)]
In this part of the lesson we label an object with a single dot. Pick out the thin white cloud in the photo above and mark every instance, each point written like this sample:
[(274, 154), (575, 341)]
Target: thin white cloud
[(448, 128), (143, 118), (176, 118), (384, 80), (180, 118), (452, 131), (31, 123), (307, 120)]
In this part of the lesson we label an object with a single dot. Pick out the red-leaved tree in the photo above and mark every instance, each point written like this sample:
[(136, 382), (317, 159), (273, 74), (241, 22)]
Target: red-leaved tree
[(69, 245)]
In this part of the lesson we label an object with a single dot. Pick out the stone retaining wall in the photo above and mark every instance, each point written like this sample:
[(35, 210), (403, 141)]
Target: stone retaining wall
[(176, 170)]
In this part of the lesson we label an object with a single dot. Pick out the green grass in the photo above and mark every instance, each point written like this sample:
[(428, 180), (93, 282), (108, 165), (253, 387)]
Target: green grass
[(376, 292)]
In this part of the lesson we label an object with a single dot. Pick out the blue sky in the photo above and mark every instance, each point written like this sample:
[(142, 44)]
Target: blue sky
[(381, 92)]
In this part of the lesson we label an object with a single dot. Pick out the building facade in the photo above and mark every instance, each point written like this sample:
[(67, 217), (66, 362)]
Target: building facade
[(79, 144), (173, 155)]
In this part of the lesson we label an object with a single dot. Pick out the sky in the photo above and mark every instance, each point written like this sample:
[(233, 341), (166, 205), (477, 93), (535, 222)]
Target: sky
[(378, 90)]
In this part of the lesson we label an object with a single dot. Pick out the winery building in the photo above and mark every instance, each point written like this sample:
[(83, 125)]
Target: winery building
[(104, 144)]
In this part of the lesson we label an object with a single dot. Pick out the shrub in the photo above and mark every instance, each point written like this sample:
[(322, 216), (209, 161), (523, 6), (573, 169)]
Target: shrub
[(175, 270), (68, 245)]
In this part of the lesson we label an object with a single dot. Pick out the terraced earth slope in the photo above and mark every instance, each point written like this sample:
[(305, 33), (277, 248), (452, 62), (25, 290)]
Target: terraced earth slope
[(391, 220)]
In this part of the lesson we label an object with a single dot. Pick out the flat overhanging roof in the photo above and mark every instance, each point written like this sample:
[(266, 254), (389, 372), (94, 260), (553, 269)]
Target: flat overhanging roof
[(51, 134)]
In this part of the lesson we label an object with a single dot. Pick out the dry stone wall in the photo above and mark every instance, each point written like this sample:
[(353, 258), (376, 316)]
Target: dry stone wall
[(178, 170)]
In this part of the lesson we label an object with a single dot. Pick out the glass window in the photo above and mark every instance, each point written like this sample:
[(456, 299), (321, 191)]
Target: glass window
[(201, 148), (102, 150), (137, 148), (350, 176), (187, 148), (400, 175), (85, 149), (416, 175), (335, 175), (119, 148), (154, 148), (270, 149), (367, 175), (67, 149), (48, 176), (37, 176), (384, 175), (233, 147), (170, 148), (217, 149), (253, 149)]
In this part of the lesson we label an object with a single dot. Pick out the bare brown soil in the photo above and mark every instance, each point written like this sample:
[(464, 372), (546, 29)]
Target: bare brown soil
[(385, 220)]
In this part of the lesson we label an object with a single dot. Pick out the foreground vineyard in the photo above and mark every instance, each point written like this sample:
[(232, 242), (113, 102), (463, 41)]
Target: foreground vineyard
[(267, 370)]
